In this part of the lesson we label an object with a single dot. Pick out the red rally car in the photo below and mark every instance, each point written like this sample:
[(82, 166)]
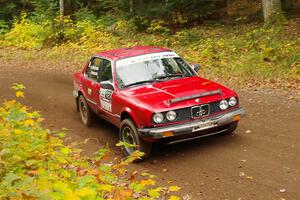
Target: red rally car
[(152, 94)]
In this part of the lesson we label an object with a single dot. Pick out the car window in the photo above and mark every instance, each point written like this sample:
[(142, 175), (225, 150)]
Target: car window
[(93, 68), (151, 68), (105, 72)]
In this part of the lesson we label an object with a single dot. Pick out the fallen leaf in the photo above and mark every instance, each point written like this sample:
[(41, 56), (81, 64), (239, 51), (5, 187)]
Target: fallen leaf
[(174, 188), (19, 94)]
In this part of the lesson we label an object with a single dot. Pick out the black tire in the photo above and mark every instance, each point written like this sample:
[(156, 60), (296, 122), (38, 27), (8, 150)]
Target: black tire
[(129, 134), (86, 114), (231, 128)]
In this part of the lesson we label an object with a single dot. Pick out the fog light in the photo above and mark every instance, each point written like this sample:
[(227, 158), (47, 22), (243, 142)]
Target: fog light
[(236, 118), (168, 134)]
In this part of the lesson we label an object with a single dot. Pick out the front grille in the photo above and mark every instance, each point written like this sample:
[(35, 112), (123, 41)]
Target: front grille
[(190, 112), (186, 113), (200, 111)]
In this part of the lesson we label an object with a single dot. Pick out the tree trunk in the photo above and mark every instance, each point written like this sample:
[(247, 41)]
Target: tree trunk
[(271, 8), (130, 6), (61, 7)]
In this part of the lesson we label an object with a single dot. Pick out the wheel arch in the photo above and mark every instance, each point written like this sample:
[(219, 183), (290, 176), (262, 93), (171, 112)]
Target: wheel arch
[(127, 113)]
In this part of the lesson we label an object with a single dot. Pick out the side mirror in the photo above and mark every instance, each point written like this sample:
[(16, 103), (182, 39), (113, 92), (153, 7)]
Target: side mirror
[(107, 85), (196, 67)]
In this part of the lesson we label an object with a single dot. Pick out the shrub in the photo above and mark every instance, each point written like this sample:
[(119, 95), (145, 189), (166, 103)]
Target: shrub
[(158, 27), (123, 28), (28, 34), (186, 37), (35, 163), (85, 14), (243, 52), (4, 28)]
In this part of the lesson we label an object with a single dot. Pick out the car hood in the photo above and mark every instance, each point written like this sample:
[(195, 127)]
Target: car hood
[(158, 96)]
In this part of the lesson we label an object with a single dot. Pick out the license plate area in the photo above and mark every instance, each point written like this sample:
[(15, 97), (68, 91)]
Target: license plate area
[(200, 111), (204, 125)]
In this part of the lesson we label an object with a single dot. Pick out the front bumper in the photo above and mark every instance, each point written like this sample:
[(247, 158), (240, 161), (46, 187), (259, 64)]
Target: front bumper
[(195, 126)]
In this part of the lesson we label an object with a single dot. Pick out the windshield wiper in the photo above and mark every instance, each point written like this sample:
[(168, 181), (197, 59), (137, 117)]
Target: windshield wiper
[(168, 76), (140, 82), (158, 78)]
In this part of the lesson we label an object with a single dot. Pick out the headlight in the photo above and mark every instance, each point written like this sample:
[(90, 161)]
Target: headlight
[(158, 118), (171, 115), (223, 104), (232, 101)]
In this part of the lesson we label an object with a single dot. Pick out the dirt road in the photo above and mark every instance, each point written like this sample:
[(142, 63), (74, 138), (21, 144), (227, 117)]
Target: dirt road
[(262, 161)]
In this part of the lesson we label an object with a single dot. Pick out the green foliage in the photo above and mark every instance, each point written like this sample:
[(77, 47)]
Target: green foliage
[(123, 28), (44, 10), (242, 53), (85, 14), (173, 12), (28, 34), (36, 164), (187, 36), (276, 20), (158, 26), (13, 8), (179, 12), (4, 28)]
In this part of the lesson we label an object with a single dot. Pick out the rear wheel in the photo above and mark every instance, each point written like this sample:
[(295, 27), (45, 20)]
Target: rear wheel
[(129, 134), (86, 114)]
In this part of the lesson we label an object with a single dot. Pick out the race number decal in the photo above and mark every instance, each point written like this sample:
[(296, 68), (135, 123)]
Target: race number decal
[(105, 99)]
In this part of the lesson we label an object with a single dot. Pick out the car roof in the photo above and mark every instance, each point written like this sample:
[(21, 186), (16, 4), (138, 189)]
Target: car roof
[(117, 54)]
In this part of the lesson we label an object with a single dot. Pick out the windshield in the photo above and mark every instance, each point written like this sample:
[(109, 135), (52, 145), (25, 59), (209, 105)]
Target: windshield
[(151, 68)]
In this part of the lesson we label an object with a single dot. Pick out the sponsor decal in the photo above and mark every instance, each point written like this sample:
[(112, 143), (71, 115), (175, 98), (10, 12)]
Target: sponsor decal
[(105, 99), (146, 57), (89, 91), (105, 105)]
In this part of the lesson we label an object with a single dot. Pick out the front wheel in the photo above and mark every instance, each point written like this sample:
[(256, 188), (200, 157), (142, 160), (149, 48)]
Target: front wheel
[(129, 135)]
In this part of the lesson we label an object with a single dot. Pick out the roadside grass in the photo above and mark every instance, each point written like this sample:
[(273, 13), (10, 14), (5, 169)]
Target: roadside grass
[(247, 55)]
